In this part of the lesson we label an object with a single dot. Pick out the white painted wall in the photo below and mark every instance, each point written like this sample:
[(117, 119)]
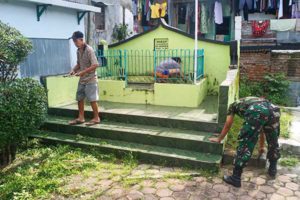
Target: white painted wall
[(55, 23)]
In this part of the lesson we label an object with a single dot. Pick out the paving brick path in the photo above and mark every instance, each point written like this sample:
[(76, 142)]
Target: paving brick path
[(152, 182)]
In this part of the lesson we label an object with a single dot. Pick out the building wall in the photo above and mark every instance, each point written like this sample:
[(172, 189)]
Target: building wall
[(113, 16), (56, 24), (216, 56), (256, 65)]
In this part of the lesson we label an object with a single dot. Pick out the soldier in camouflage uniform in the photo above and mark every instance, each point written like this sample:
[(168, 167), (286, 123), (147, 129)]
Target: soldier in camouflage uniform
[(260, 116)]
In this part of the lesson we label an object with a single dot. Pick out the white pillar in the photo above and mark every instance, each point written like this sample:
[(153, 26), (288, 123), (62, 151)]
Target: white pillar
[(196, 40)]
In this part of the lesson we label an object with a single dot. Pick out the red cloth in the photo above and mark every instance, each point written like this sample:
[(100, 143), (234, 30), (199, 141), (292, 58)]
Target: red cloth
[(259, 29)]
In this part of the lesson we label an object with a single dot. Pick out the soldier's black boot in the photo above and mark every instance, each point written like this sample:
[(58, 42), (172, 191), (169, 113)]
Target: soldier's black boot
[(235, 178), (273, 168)]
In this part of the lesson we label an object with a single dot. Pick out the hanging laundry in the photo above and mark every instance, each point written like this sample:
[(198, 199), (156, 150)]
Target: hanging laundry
[(203, 28), (158, 10), (296, 9), (259, 28), (297, 25), (163, 8), (283, 24), (147, 6), (218, 12), (280, 12), (134, 8), (248, 2)]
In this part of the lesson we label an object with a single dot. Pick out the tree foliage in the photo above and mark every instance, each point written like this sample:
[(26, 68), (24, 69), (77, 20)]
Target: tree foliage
[(14, 48)]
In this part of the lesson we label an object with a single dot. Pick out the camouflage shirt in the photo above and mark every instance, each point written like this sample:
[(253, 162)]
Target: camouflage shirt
[(241, 106)]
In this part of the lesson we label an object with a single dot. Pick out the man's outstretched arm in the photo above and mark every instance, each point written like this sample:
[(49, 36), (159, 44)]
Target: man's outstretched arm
[(225, 130)]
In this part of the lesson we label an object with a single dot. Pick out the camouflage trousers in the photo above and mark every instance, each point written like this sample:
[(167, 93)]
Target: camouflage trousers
[(258, 118)]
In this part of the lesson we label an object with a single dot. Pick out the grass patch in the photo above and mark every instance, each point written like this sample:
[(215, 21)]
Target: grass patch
[(285, 122), (40, 170), (232, 138), (289, 161)]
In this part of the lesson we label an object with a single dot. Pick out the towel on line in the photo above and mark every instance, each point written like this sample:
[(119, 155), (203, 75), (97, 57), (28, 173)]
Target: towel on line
[(283, 24), (297, 24)]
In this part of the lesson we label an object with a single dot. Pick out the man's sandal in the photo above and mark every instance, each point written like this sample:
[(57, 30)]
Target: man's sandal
[(75, 122), (92, 123)]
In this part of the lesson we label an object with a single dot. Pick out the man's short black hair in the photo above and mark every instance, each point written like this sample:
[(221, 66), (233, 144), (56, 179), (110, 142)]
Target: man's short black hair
[(77, 35)]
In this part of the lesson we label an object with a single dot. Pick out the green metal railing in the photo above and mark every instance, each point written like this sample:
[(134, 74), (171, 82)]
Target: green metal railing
[(200, 63), (113, 64), (121, 64)]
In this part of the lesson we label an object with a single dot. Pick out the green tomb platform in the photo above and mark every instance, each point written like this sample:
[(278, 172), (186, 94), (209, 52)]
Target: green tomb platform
[(159, 121)]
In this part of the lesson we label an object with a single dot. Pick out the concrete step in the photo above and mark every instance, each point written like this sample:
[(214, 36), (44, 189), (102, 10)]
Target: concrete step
[(142, 134), (153, 119), (145, 153)]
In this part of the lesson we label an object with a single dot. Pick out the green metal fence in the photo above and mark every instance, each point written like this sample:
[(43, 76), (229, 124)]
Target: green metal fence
[(113, 64), (157, 65)]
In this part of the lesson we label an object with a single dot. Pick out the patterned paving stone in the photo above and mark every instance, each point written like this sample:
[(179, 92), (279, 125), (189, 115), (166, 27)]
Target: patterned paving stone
[(105, 183), (284, 178), (221, 188), (150, 197), (198, 197), (249, 185), (260, 181), (285, 192), (160, 185), (257, 194), (164, 192), (238, 191), (292, 175), (206, 185), (245, 197), (167, 198), (210, 193), (258, 186), (267, 189), (181, 195), (147, 183), (292, 198), (177, 188), (116, 193), (199, 179), (248, 174), (276, 197), (174, 181), (104, 197), (136, 187), (217, 180), (148, 190), (292, 186), (135, 195), (227, 196)]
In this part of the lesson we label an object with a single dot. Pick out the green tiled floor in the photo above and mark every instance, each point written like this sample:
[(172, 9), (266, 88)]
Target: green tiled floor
[(206, 112)]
